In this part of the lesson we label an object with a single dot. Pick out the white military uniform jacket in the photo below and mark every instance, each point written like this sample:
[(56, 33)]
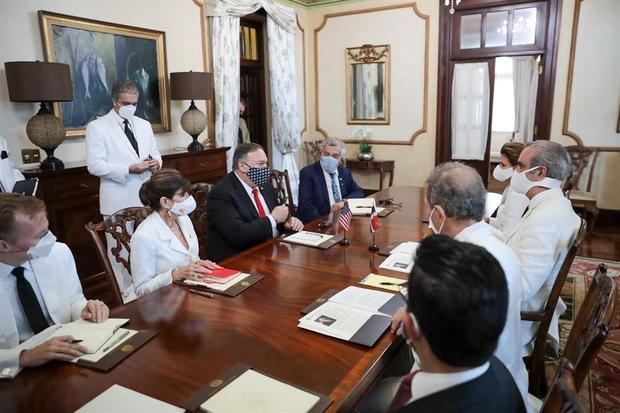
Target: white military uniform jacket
[(109, 155), (541, 242), (62, 295), (8, 173), (156, 251), (509, 345), (509, 213)]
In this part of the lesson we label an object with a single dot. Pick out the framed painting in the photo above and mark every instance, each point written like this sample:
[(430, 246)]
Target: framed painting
[(99, 53)]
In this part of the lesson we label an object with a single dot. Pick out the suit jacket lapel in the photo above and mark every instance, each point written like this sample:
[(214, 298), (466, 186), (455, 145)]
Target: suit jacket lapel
[(242, 196), (120, 134)]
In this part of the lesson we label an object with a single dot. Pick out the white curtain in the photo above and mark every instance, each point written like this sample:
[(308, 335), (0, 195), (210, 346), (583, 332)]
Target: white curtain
[(470, 110), (525, 80), (226, 72), (238, 8), (285, 129)]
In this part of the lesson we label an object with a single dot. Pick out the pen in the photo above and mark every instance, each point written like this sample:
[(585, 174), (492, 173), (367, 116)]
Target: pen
[(390, 283), (203, 293), (75, 341), (115, 342)]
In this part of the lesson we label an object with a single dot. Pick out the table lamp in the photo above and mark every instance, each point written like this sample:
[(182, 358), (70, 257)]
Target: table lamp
[(42, 82), (191, 86)]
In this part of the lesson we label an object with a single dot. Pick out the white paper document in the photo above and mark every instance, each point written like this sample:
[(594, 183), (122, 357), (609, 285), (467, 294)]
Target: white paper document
[(363, 298), (93, 335), (120, 336), (335, 320), (401, 262), (362, 206), (408, 247), (121, 399), (253, 392), (218, 286), (492, 202), (312, 239)]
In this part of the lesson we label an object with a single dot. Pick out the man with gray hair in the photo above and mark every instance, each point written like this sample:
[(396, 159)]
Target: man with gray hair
[(546, 231), (326, 184), (121, 151)]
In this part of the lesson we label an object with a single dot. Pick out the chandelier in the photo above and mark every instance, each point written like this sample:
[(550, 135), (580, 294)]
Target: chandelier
[(451, 3)]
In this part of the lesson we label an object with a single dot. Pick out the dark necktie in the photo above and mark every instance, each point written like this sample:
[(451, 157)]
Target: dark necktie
[(403, 394), (527, 209), (30, 303), (335, 188), (132, 139)]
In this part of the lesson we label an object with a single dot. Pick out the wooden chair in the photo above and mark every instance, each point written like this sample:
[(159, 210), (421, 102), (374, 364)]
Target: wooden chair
[(200, 192), (117, 226), (282, 185), (312, 150), (563, 396), (536, 361), (580, 197), (589, 332)]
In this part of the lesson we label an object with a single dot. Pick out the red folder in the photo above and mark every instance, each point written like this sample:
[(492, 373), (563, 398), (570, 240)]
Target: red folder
[(222, 273)]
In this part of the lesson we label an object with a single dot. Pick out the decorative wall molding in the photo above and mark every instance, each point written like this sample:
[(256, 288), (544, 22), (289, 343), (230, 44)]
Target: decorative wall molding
[(422, 16), (569, 82), (303, 51)]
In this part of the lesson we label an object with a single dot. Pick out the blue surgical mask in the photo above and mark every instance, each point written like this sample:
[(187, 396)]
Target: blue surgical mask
[(260, 176), (329, 164)]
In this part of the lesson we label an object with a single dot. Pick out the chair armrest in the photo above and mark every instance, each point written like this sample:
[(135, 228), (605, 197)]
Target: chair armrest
[(533, 315)]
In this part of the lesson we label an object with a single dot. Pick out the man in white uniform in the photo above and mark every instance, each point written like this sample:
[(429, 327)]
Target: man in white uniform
[(547, 230), (39, 287), (121, 151), (8, 173)]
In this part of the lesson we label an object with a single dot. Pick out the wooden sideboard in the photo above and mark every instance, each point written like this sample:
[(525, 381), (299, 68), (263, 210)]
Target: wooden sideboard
[(72, 199)]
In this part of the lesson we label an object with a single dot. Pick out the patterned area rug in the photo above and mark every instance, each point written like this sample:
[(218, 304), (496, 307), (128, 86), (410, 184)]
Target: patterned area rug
[(601, 390)]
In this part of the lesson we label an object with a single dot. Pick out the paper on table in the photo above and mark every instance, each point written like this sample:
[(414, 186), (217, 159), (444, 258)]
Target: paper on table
[(492, 202), (312, 239), (364, 298), (93, 335), (398, 262), (375, 280), (99, 354), (218, 286), (362, 206), (121, 399), (408, 247), (335, 320), (254, 392)]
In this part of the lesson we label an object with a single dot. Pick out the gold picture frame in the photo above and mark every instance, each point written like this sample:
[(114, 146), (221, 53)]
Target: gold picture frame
[(368, 84), (99, 53)]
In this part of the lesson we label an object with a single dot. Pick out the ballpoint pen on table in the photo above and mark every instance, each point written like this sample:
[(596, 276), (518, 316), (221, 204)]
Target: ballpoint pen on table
[(391, 283), (116, 341), (203, 293)]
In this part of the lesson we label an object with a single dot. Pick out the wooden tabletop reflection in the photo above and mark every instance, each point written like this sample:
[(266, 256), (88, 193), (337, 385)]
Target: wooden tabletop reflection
[(198, 338)]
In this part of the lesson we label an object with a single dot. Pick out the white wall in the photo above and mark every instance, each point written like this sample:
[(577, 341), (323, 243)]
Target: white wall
[(595, 92), (20, 39)]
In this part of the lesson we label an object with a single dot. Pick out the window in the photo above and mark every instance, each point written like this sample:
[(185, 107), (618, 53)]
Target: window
[(503, 97)]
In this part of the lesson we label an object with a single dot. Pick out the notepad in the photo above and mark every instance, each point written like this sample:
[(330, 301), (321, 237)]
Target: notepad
[(218, 285), (359, 315), (221, 276), (381, 281), (253, 392), (312, 239), (121, 399), (93, 335), (363, 206)]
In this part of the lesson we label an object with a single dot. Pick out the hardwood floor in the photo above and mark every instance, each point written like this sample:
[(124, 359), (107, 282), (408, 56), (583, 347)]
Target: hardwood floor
[(603, 244)]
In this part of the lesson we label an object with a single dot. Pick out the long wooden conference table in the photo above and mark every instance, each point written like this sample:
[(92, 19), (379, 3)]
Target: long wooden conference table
[(199, 338)]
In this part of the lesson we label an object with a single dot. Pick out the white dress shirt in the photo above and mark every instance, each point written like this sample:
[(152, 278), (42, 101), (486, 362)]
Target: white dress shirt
[(156, 252), (9, 283), (424, 384), (8, 173), (541, 242), (328, 184), (509, 213), (249, 189), (508, 349)]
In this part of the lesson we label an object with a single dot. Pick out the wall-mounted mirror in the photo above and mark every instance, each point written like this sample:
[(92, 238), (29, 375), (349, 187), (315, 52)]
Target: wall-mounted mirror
[(368, 84)]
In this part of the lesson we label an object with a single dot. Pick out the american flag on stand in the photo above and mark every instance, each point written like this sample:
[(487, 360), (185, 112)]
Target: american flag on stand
[(374, 220), (345, 217)]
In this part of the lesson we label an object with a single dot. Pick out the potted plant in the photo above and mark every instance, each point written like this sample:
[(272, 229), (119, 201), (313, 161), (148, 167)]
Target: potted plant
[(365, 151)]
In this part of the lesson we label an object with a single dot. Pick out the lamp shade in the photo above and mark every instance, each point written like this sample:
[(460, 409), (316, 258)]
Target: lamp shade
[(38, 82), (191, 86)]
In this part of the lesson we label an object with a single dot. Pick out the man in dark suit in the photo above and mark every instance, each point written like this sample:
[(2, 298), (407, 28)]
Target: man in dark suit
[(457, 304), (242, 208), (325, 184)]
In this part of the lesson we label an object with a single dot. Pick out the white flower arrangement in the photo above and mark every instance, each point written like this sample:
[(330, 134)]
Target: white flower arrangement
[(361, 133)]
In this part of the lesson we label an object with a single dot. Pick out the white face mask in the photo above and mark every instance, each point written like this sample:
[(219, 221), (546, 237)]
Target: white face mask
[(42, 248), (520, 184), (127, 111), (502, 174), (432, 226), (185, 207)]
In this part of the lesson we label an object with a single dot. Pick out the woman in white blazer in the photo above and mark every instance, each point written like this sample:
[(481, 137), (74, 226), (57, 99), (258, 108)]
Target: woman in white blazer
[(513, 204), (164, 247)]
